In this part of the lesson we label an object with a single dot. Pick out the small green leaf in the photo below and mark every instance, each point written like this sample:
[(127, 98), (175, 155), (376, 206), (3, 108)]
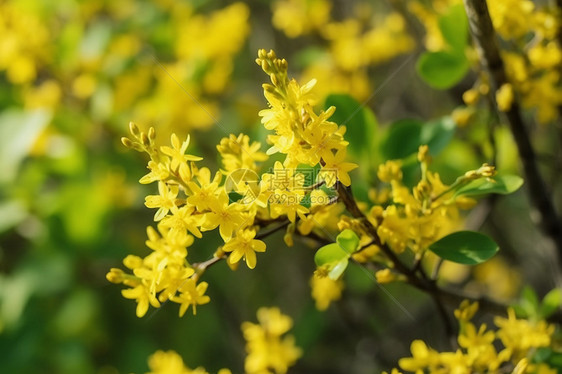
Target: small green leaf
[(348, 241), (402, 140), (18, 131), (454, 27), (520, 312), (542, 354), (443, 69), (329, 254), (338, 269), (465, 247), (550, 303), (437, 134), (501, 184), (529, 301)]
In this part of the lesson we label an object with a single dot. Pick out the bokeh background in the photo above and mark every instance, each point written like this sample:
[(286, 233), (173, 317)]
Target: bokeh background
[(74, 73)]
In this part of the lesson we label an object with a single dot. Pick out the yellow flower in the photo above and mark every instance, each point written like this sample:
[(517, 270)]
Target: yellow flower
[(191, 294), (164, 201), (390, 171), (422, 357), (466, 311), (504, 97), (325, 291), (243, 245), (203, 193), (181, 221), (268, 351), (227, 216), (520, 335), (169, 363), (158, 172), (143, 297), (334, 166), (238, 153), (177, 152)]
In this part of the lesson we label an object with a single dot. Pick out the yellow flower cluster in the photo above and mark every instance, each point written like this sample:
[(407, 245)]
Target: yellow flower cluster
[(352, 44), (24, 45), (478, 350), (532, 62), (171, 363), (325, 290), (268, 351), (104, 70), (533, 66), (203, 63), (418, 217), (301, 134), (202, 206), (234, 200)]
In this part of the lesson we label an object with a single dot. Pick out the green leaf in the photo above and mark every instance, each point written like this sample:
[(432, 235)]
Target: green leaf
[(330, 254), (529, 301), (550, 303), (402, 140), (338, 269), (465, 247), (18, 131), (405, 136), (348, 241), (359, 120), (454, 27), (502, 184), (443, 69), (437, 134)]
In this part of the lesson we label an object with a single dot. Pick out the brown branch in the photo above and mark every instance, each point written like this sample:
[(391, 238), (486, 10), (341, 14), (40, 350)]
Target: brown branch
[(422, 283), (417, 277), (484, 37)]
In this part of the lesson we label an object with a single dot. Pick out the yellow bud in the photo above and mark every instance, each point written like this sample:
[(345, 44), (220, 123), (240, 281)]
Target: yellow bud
[(484, 88), (466, 310), (115, 275), (127, 142), (288, 239), (385, 276), (132, 262), (470, 97), (144, 139), (151, 134), (134, 129), (462, 116), (423, 154), (504, 97)]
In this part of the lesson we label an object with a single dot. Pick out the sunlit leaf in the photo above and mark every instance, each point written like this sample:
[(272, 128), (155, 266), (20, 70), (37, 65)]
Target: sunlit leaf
[(500, 184), (330, 253), (348, 240), (550, 303), (338, 269)]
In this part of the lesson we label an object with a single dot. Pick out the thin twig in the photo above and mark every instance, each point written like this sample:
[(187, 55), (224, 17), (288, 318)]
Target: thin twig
[(484, 37)]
